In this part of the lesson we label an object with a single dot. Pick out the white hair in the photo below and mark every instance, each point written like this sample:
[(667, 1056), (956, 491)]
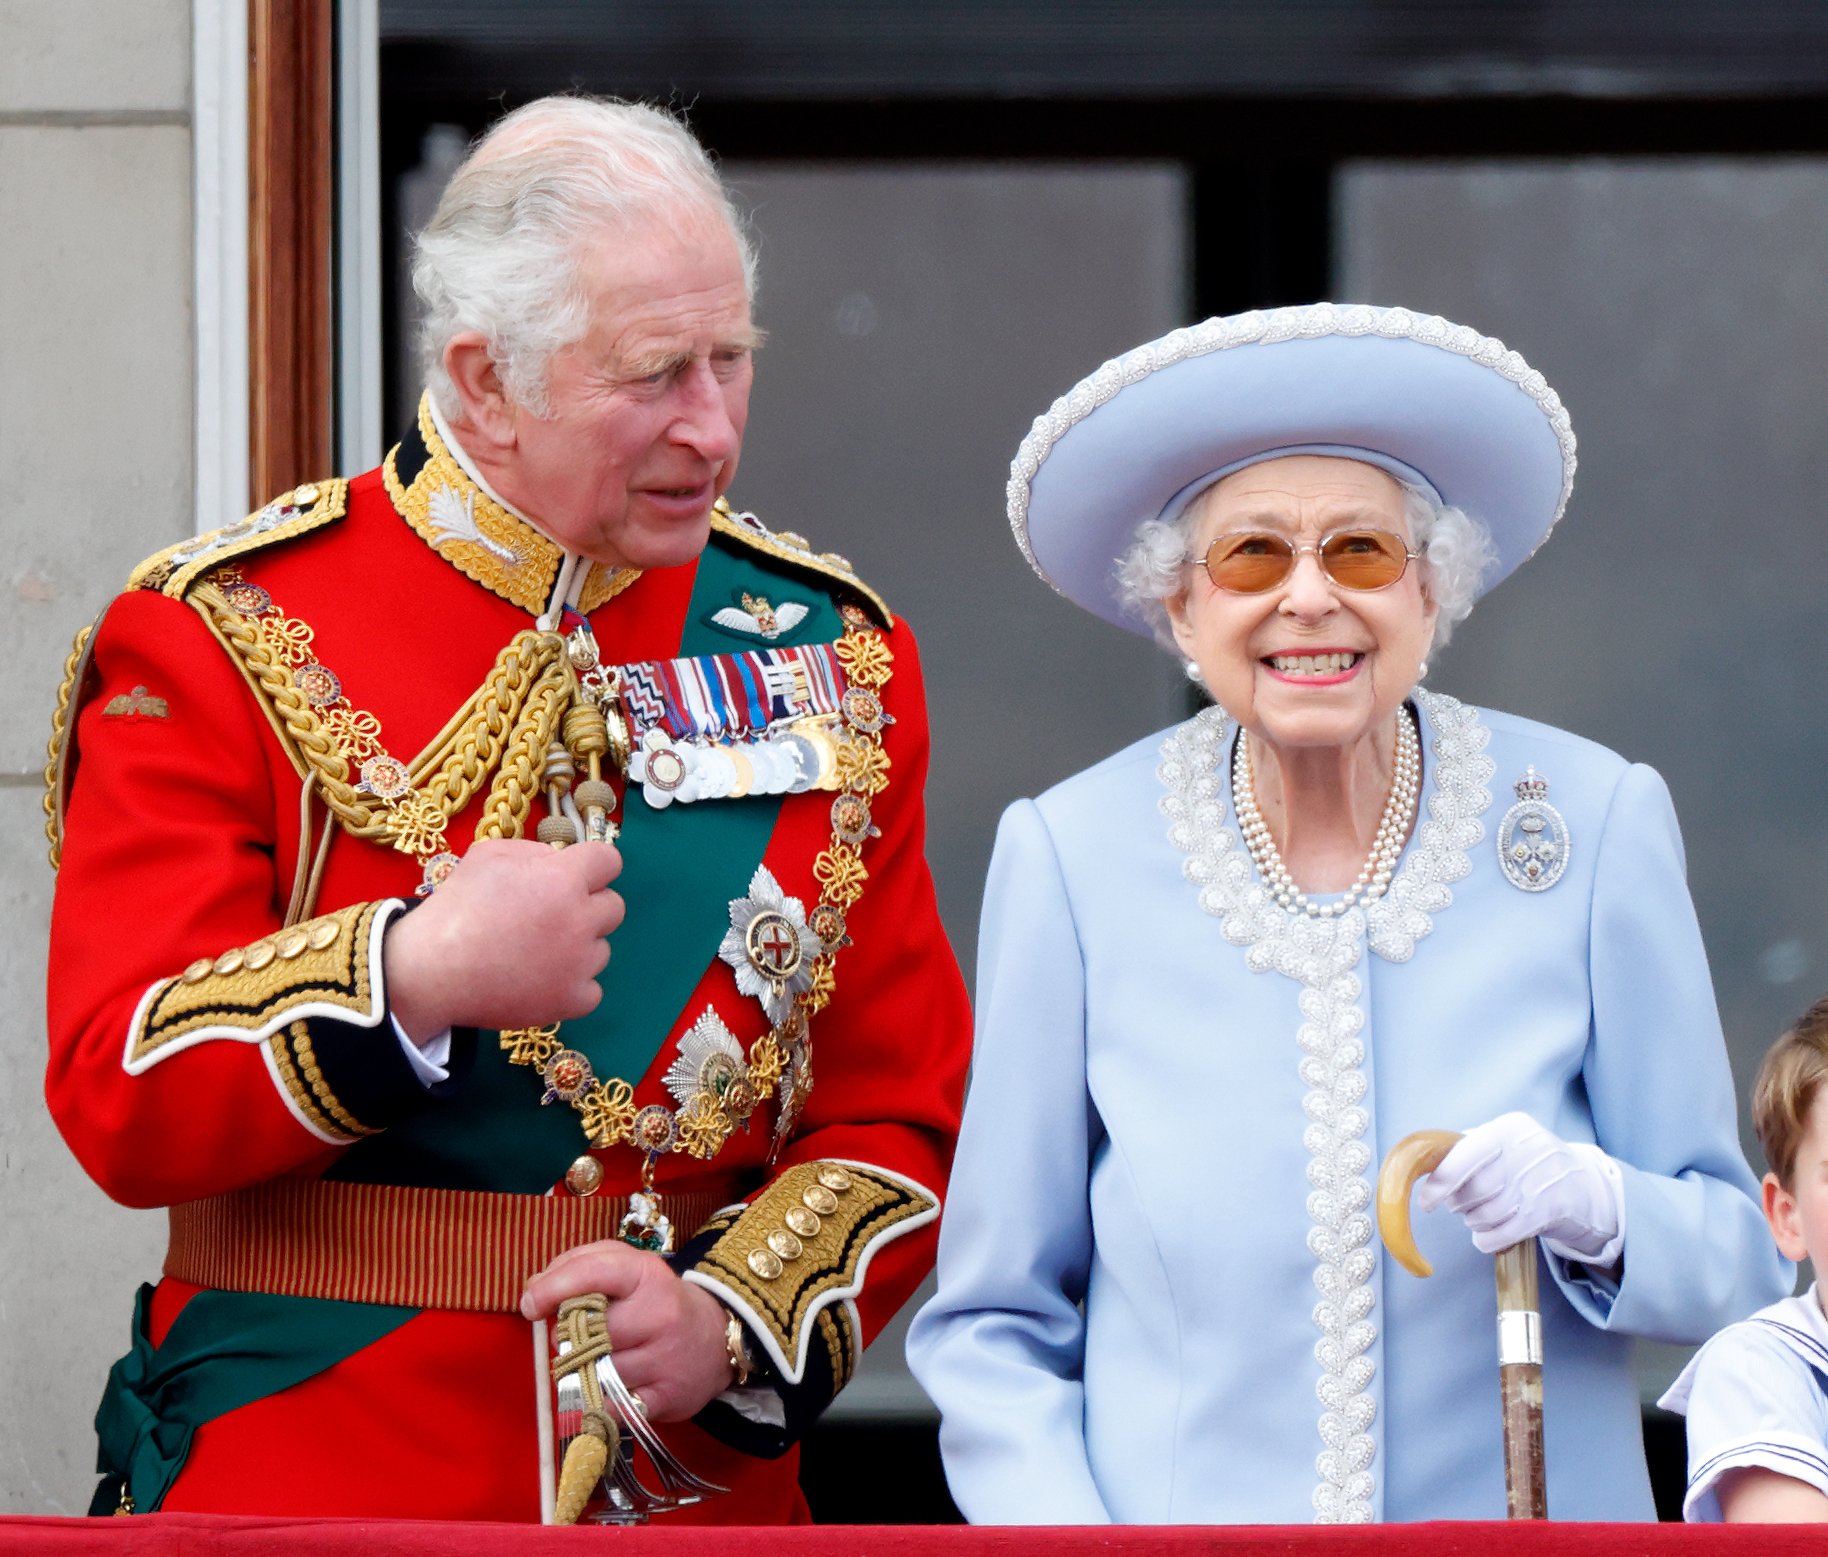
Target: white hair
[(1456, 553), (501, 253)]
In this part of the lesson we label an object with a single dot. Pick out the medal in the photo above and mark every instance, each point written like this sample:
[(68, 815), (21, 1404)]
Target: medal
[(850, 819), (645, 1227), (863, 710), (661, 768)]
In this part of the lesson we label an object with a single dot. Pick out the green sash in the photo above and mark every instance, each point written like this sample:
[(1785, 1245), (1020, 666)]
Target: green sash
[(223, 1350)]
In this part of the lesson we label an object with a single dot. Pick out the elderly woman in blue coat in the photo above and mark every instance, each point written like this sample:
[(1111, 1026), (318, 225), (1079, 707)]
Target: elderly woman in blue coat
[(1224, 970)]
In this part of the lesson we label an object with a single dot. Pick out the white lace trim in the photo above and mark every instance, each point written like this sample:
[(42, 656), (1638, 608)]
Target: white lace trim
[(1322, 954), (1306, 322)]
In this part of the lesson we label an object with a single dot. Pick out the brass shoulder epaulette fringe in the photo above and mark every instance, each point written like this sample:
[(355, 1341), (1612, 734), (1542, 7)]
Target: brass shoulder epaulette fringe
[(291, 514), (795, 550)]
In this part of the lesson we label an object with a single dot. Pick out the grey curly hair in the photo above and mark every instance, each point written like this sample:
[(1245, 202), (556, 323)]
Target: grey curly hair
[(500, 255), (1456, 552)]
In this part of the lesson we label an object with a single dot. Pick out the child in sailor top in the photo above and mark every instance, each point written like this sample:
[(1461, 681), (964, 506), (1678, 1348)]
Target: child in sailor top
[(1756, 1395)]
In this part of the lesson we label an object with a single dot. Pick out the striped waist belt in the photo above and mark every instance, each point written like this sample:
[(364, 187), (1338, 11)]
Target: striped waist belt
[(385, 1243)]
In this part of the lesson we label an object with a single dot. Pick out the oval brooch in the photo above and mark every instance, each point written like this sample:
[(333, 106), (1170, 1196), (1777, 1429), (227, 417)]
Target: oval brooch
[(1532, 837)]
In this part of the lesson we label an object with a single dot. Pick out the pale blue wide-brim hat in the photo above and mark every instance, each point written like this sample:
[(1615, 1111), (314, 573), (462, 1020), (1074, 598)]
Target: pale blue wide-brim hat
[(1434, 403)]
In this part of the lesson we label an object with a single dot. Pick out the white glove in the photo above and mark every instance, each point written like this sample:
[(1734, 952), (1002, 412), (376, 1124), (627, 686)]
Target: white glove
[(1511, 1180)]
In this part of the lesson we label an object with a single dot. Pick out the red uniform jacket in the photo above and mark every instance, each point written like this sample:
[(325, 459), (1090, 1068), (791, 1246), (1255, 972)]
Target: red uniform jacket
[(218, 1022)]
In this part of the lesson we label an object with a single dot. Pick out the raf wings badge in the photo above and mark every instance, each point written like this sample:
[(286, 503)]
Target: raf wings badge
[(759, 619)]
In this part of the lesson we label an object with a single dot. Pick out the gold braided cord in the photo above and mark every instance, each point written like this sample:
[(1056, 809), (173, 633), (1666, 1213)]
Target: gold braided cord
[(471, 744), (517, 780), (303, 727), (513, 711), (60, 738), (584, 1323)]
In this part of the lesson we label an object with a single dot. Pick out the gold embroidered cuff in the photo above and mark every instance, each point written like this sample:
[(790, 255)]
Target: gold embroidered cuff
[(788, 1262), (324, 967), (295, 1064)]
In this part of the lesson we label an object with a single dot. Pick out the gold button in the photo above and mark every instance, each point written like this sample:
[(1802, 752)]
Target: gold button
[(259, 955), (819, 1198), (802, 1222), (198, 971), (764, 1264), (784, 1244), (834, 1178), (304, 496), (291, 943), (321, 933), (585, 1176), (229, 962)]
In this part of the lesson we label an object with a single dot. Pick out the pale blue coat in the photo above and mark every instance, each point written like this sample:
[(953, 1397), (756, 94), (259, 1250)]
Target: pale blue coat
[(1160, 1295)]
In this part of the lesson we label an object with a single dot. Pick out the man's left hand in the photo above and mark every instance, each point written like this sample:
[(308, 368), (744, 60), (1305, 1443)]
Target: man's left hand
[(666, 1335)]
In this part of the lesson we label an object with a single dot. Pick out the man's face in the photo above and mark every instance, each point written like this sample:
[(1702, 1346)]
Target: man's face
[(645, 414)]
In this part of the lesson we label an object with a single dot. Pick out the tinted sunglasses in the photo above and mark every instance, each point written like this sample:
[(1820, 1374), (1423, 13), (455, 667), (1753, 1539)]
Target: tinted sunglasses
[(1248, 562)]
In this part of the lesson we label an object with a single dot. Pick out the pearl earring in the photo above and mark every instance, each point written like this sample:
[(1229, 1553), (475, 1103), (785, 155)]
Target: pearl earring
[(1421, 671)]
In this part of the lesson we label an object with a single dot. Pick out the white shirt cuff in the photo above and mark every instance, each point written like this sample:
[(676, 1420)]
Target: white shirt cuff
[(431, 1060)]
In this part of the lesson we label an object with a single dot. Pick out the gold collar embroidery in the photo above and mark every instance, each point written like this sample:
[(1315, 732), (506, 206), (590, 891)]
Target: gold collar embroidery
[(482, 539)]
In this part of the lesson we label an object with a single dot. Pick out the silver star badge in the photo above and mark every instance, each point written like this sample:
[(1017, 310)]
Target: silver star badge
[(770, 946), (711, 1061)]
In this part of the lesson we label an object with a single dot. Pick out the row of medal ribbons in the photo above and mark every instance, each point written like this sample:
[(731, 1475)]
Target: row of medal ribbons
[(722, 726)]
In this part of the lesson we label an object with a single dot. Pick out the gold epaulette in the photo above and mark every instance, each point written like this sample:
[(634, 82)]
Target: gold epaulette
[(795, 550), (172, 572), (291, 514)]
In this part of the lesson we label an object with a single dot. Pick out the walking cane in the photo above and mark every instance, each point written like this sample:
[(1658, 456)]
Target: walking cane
[(1519, 1319)]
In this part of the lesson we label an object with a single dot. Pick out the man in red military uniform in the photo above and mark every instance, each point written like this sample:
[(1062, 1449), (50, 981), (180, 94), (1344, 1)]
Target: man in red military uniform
[(331, 976)]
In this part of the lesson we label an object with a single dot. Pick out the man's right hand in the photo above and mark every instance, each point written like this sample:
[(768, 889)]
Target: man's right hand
[(515, 936)]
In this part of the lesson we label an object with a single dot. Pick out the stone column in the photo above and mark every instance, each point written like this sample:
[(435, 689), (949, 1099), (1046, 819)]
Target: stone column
[(96, 429)]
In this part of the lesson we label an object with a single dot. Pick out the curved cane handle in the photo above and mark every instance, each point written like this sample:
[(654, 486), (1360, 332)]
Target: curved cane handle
[(1408, 1160)]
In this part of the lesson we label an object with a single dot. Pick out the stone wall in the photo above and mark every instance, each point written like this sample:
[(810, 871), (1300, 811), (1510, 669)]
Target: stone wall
[(96, 435)]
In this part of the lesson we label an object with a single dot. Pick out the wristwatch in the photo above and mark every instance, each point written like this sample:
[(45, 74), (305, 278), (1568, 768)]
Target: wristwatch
[(736, 1343)]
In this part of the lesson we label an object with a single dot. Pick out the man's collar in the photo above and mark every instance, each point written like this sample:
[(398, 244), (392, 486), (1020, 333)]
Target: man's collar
[(437, 489)]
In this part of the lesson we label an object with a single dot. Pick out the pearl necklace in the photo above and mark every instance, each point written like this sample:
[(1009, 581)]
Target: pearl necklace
[(1374, 880)]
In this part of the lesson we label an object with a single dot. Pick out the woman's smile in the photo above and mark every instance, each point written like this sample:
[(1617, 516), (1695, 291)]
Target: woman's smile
[(1315, 667)]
